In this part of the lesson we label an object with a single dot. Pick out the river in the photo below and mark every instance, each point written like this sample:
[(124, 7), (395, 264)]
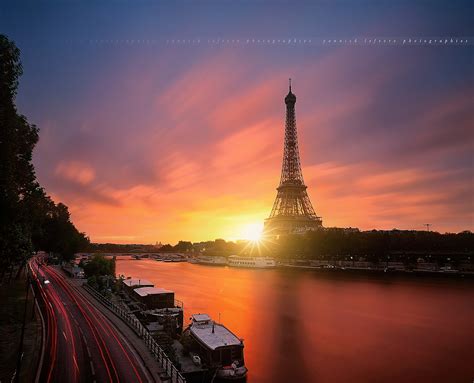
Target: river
[(301, 326)]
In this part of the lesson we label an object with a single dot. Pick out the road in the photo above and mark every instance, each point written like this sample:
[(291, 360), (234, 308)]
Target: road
[(82, 345)]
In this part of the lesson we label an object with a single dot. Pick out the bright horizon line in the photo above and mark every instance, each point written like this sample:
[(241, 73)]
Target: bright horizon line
[(236, 239)]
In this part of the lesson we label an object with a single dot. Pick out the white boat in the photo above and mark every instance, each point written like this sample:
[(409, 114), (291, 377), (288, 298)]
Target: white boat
[(252, 262), (168, 257), (214, 345), (210, 260)]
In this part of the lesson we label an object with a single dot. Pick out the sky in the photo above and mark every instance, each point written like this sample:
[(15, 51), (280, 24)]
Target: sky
[(149, 139)]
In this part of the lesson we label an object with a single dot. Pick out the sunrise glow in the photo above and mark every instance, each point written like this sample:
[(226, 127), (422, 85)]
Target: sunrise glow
[(237, 191), (201, 143), (252, 232)]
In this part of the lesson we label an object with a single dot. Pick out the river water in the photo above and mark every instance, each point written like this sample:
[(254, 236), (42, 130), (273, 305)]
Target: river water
[(301, 326)]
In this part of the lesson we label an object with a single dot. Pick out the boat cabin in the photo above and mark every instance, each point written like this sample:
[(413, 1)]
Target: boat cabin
[(155, 297), (132, 283), (214, 343)]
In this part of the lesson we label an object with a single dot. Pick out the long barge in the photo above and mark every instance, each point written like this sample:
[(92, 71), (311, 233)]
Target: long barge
[(213, 345)]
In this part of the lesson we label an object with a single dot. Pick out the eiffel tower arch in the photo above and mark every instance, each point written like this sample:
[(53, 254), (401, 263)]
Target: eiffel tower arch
[(292, 211)]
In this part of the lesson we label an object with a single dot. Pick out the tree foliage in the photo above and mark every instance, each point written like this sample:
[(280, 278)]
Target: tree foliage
[(330, 244), (337, 243), (99, 266), (29, 219)]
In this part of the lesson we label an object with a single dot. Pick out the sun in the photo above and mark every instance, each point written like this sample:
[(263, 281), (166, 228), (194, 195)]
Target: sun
[(252, 231)]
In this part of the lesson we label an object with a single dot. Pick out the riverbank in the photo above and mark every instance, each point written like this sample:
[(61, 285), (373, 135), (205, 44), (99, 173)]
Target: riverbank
[(385, 272), (465, 270)]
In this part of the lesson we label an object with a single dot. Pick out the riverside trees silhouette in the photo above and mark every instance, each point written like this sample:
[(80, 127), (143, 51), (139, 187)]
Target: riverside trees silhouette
[(29, 218), (329, 244)]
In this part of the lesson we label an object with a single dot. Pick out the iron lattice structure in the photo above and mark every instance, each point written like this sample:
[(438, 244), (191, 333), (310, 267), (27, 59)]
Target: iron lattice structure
[(292, 210)]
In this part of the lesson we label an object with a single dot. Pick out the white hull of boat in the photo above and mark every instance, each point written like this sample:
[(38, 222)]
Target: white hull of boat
[(252, 262)]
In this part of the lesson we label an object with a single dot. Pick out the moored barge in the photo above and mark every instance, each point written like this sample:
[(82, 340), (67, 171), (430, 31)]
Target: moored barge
[(214, 346)]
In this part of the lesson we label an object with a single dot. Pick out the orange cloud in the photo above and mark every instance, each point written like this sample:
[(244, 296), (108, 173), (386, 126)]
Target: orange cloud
[(197, 155), (76, 172)]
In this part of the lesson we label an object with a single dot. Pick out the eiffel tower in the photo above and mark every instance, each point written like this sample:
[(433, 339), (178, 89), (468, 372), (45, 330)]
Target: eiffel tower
[(292, 211)]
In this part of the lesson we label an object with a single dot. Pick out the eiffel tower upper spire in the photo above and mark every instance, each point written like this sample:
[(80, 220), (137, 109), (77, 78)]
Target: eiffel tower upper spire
[(292, 209), (290, 97)]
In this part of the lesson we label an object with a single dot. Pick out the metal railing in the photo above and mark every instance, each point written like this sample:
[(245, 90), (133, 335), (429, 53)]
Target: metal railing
[(158, 353)]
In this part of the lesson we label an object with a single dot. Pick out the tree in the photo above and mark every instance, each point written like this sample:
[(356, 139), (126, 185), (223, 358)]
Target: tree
[(29, 219), (183, 246), (99, 266), (60, 235), (17, 176), (166, 248)]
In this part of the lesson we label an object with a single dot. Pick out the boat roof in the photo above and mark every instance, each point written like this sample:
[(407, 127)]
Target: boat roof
[(213, 335), (144, 291), (200, 317), (137, 282)]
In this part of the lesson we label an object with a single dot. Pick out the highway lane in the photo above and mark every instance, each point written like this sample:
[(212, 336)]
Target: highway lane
[(82, 344), (63, 342)]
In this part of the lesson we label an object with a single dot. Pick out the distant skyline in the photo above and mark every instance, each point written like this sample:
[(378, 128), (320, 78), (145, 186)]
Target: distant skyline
[(161, 142)]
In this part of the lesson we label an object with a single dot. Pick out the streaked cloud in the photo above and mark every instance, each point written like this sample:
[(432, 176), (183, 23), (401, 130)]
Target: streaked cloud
[(161, 143)]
